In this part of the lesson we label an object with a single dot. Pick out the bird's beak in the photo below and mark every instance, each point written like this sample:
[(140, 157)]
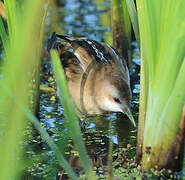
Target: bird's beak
[(129, 115)]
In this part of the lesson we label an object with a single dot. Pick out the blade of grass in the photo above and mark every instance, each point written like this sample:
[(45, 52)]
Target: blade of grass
[(162, 91), (43, 25), (110, 158), (11, 14), (63, 163), (69, 112), (19, 59), (121, 28), (16, 83), (134, 18), (3, 33), (36, 93)]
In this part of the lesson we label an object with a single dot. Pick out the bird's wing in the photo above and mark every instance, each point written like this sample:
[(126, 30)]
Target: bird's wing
[(71, 64), (87, 50)]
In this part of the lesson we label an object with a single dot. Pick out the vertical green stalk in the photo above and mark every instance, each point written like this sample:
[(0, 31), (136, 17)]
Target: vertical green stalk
[(142, 110), (21, 54), (36, 93), (144, 83), (134, 18), (162, 78), (121, 28), (70, 114), (62, 162), (11, 13), (3, 33), (110, 159)]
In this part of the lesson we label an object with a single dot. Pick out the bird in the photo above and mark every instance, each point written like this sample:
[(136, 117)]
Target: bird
[(97, 76)]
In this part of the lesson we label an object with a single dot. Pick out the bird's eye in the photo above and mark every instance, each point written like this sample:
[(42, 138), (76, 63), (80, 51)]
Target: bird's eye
[(117, 100)]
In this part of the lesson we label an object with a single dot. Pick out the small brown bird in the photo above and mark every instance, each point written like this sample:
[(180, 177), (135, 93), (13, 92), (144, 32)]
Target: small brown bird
[(97, 76)]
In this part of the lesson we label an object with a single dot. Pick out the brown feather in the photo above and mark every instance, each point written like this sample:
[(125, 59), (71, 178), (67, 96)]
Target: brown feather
[(91, 68)]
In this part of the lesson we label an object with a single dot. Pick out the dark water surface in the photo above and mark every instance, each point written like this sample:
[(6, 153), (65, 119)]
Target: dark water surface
[(88, 18)]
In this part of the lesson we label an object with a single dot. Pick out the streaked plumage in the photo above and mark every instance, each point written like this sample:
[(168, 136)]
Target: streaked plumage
[(97, 76)]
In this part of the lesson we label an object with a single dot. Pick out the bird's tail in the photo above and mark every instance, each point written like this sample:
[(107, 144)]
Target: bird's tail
[(51, 42), (68, 39), (54, 43)]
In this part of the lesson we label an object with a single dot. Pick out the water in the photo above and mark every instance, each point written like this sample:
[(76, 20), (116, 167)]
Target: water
[(84, 18)]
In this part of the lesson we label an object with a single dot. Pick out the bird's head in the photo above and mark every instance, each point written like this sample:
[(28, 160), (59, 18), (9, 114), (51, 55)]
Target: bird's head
[(117, 97)]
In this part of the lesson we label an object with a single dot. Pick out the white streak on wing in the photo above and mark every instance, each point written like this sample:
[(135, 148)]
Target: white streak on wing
[(98, 52), (113, 51), (81, 65)]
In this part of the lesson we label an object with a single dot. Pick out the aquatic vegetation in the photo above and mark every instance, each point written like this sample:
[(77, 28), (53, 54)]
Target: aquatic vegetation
[(162, 80), (17, 67), (20, 77), (121, 29)]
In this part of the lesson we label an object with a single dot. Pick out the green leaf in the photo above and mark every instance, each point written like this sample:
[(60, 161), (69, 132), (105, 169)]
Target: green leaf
[(70, 113), (21, 54), (162, 76), (3, 33), (63, 163), (134, 18)]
